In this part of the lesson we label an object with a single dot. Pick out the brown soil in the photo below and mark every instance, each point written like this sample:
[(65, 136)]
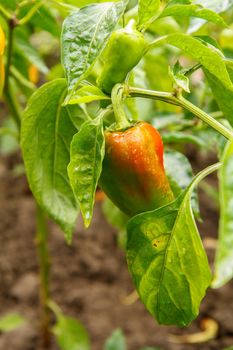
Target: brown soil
[(89, 279)]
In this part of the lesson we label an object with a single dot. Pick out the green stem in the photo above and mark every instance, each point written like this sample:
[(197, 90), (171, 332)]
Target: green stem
[(55, 308), (179, 100), (193, 69), (5, 14), (63, 5), (21, 79), (227, 133), (13, 107), (105, 112), (44, 266), (25, 3), (118, 108), (31, 13), (157, 95), (157, 42)]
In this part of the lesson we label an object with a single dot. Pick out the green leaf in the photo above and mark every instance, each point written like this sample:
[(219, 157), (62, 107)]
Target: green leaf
[(118, 220), (193, 11), (11, 322), (214, 5), (78, 114), (167, 261), (224, 255), (156, 61), (9, 4), (181, 137), (25, 84), (9, 137), (180, 175), (223, 95), (82, 3), (208, 41), (178, 2), (47, 130), (178, 171), (26, 50), (147, 12), (116, 341), (114, 215), (87, 94), (46, 20), (84, 36), (167, 121), (87, 153), (179, 78), (71, 334), (211, 60)]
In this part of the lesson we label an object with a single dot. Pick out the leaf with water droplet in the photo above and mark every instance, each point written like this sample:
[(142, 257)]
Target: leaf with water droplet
[(84, 35), (84, 169)]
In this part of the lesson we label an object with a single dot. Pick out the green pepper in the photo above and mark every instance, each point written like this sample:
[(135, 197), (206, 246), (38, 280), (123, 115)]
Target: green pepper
[(133, 174), (123, 51)]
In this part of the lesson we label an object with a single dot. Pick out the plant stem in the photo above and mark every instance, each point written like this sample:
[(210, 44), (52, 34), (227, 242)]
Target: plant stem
[(44, 266), (21, 79), (5, 14), (191, 70), (55, 308), (157, 42), (157, 95), (227, 133), (64, 5), (13, 107), (31, 13), (117, 103), (25, 3), (179, 100), (12, 23)]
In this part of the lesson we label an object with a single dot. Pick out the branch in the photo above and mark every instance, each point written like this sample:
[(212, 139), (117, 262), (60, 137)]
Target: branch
[(179, 100)]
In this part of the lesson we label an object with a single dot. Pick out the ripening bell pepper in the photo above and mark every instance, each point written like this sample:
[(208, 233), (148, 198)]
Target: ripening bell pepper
[(133, 174), (123, 52)]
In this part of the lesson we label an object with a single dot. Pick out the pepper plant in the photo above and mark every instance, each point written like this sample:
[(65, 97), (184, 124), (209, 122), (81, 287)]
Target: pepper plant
[(135, 74)]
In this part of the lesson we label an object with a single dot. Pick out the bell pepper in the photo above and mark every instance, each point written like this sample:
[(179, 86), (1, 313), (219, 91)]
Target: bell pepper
[(123, 51), (133, 174)]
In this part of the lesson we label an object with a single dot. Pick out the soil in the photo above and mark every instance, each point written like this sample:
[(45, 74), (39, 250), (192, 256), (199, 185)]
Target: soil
[(89, 280)]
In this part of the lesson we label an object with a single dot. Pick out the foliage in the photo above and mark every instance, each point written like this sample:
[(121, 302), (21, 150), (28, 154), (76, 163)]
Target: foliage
[(10, 322), (185, 73)]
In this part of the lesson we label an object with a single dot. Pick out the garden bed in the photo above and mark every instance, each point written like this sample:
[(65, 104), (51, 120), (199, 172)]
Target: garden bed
[(90, 279)]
